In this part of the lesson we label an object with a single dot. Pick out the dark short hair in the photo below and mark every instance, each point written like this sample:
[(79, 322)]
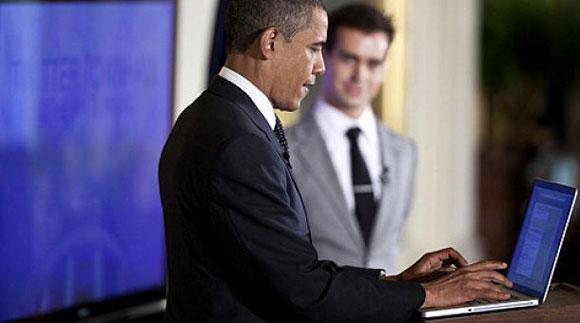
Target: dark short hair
[(361, 17), (246, 19)]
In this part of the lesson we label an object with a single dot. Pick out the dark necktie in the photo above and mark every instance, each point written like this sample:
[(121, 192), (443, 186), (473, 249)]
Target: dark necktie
[(279, 132), (364, 199)]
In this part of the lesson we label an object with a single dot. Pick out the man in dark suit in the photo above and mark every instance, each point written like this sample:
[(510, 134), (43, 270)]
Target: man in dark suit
[(238, 242)]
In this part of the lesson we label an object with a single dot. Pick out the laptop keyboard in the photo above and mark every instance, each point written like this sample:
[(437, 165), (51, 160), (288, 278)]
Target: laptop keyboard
[(483, 301)]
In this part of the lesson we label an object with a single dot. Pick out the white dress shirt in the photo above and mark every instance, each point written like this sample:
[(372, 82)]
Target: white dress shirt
[(333, 125), (257, 96)]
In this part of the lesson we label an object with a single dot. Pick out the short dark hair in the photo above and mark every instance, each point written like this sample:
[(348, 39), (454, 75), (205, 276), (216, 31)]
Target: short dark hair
[(361, 17), (246, 19)]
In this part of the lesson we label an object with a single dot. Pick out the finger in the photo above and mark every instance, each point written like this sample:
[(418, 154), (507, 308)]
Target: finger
[(485, 265), (448, 269), (458, 259), (492, 293), (450, 256), (486, 285), (491, 276), (501, 279), (482, 289)]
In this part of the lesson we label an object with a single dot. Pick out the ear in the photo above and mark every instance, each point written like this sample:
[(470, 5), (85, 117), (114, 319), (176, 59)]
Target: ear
[(270, 41)]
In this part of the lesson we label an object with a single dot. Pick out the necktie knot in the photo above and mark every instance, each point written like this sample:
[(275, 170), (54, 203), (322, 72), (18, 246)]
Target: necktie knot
[(281, 136), (353, 134)]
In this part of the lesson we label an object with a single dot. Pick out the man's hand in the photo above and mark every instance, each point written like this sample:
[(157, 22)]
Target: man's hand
[(433, 265), (467, 283)]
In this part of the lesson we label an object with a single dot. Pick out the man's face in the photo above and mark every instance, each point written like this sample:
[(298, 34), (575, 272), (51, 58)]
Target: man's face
[(299, 62), (355, 69)]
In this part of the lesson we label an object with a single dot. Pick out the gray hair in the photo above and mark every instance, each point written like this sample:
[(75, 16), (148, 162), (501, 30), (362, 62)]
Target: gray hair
[(246, 19)]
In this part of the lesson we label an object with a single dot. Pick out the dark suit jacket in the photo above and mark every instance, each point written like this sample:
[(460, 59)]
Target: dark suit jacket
[(238, 243)]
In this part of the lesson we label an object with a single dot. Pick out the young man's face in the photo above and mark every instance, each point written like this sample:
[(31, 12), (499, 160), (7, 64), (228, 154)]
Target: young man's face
[(355, 69), (299, 63)]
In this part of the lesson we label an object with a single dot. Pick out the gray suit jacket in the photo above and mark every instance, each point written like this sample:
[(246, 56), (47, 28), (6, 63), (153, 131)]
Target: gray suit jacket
[(335, 231)]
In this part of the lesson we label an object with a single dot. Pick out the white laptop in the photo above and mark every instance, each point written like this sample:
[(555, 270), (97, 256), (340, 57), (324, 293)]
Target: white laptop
[(534, 260)]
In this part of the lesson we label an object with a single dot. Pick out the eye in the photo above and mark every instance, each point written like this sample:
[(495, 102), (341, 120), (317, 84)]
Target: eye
[(316, 49), (348, 59), (374, 64)]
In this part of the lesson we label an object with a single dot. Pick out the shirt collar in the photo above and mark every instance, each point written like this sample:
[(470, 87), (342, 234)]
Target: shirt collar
[(332, 121), (258, 97)]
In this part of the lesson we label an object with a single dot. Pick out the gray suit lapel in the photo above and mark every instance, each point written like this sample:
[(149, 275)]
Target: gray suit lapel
[(315, 157), (388, 161)]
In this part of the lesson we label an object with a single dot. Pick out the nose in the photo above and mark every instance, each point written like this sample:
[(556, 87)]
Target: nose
[(358, 72), (319, 68)]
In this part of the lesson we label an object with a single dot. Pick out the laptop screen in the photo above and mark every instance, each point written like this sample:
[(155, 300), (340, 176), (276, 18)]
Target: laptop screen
[(540, 237)]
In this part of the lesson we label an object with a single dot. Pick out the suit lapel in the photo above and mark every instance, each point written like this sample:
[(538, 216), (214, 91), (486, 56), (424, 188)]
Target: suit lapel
[(231, 92), (315, 156), (301, 200), (383, 219)]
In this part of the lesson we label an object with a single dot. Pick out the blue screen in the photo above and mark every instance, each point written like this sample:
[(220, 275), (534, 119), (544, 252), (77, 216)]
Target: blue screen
[(539, 240), (85, 107)]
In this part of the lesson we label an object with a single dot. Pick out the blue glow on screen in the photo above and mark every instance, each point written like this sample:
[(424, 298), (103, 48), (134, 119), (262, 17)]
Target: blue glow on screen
[(85, 95), (539, 239)]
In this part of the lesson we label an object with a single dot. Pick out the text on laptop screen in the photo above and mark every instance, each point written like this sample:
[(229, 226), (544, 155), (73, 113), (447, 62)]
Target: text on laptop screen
[(540, 236)]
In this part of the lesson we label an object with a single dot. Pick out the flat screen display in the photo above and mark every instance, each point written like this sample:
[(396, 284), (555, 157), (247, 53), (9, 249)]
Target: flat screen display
[(540, 237), (85, 107)]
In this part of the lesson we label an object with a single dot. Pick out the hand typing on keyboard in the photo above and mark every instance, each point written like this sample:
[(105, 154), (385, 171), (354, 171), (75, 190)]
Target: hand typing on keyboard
[(449, 280)]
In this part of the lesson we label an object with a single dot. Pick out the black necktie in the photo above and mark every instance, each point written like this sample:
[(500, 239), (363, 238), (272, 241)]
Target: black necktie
[(364, 199), (279, 132)]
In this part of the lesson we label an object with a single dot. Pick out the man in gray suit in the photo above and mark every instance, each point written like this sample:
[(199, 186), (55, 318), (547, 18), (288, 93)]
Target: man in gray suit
[(355, 175)]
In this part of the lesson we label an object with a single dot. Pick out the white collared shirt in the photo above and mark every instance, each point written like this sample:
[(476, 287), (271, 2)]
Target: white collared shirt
[(333, 125), (257, 96)]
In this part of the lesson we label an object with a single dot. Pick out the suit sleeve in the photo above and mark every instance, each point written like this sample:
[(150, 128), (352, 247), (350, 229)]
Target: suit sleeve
[(251, 211)]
